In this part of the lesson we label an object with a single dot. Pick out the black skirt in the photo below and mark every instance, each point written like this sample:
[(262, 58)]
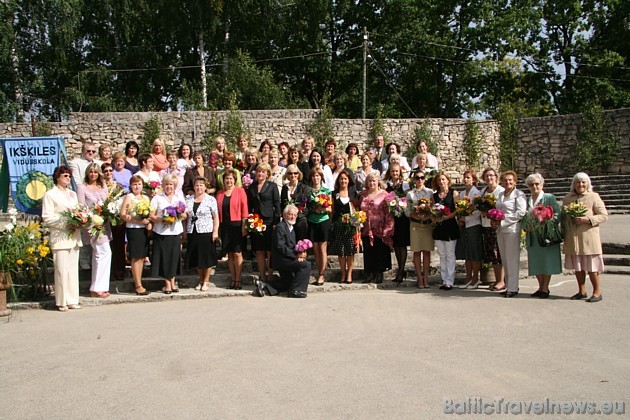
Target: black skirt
[(401, 231), (319, 232), (231, 237), (200, 251), (137, 243), (166, 253), (262, 242)]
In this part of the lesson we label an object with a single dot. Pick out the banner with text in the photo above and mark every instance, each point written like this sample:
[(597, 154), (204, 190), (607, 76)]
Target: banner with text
[(27, 167)]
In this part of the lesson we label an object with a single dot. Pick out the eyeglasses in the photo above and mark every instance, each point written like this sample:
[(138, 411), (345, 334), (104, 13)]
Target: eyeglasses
[(90, 151), (418, 178), (292, 173), (108, 170)]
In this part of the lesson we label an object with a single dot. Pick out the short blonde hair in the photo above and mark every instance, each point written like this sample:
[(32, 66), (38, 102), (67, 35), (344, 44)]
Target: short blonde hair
[(264, 167)]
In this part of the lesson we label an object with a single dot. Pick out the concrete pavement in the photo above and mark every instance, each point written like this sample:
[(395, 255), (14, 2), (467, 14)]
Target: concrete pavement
[(352, 354)]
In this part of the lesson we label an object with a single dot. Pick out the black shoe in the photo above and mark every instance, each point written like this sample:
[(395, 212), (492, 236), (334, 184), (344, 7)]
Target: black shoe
[(504, 293), (442, 287), (537, 293), (378, 278), (543, 295), (259, 289), (578, 296), (595, 299), (296, 294), (447, 287), (510, 294)]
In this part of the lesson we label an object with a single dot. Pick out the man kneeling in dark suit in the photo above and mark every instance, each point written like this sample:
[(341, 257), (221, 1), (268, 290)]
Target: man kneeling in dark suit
[(294, 269)]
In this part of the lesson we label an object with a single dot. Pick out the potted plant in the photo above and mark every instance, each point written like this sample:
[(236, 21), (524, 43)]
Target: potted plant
[(22, 248)]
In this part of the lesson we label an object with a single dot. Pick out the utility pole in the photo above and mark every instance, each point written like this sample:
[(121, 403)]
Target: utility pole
[(364, 74), (202, 64)]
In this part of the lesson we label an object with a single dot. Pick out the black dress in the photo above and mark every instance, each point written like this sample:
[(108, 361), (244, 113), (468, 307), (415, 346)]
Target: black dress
[(266, 204), (341, 239), (231, 231), (447, 230), (401, 223)]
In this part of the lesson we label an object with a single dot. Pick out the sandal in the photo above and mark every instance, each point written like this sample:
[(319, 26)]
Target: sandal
[(205, 287), (198, 286), (77, 306), (62, 308)]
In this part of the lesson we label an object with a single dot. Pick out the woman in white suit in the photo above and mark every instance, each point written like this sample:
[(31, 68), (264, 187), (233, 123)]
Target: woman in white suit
[(63, 243)]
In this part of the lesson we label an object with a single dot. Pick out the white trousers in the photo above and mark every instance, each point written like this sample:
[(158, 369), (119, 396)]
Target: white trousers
[(446, 251), (101, 267), (510, 250), (66, 262)]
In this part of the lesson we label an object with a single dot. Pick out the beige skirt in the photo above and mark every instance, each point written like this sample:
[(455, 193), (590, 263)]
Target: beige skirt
[(421, 237)]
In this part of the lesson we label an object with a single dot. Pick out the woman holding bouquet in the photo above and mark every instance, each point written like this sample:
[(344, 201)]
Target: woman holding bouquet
[(319, 220), (202, 229), (65, 247), (232, 204), (92, 192), (135, 212), (115, 190), (378, 230), (513, 204), (341, 239), (264, 199), (419, 202), (490, 247), (251, 160), (146, 171), (167, 213), (542, 262), (296, 192), (470, 244), (399, 187), (584, 212), (446, 231)]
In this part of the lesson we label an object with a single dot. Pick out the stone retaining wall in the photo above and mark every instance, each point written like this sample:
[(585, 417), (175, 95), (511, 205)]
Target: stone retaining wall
[(546, 144)]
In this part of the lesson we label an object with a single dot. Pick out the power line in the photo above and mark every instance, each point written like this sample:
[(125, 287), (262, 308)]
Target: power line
[(390, 83)]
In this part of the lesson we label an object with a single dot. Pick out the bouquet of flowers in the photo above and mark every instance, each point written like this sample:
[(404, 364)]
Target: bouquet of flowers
[(464, 207), (110, 208), (174, 212), (299, 202), (246, 180), (77, 218), (97, 224), (322, 200), (440, 211), (354, 220), (496, 215), (140, 209), (423, 207), (575, 209), (254, 224), (395, 204), (541, 221), (303, 245), (151, 188), (485, 203), (240, 163)]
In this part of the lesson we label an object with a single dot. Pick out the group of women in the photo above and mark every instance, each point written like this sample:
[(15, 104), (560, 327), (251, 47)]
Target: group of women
[(201, 200)]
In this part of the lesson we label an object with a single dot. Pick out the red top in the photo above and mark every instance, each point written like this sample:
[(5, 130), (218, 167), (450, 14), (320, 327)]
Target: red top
[(238, 204)]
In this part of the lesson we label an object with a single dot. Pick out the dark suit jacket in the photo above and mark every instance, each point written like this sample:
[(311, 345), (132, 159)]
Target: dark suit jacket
[(283, 255), (266, 203), (191, 174)]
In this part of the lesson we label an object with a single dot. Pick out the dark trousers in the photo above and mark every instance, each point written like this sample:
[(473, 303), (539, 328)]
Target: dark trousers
[(293, 276)]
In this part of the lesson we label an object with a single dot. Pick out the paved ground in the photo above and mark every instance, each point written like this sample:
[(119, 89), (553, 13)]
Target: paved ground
[(350, 354)]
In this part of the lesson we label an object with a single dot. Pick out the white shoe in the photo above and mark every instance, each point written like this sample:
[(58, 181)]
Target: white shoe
[(472, 286), (465, 286)]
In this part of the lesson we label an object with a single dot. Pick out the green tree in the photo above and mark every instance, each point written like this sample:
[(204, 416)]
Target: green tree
[(597, 142)]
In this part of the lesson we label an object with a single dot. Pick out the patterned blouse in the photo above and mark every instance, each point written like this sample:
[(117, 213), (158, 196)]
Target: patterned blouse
[(380, 222), (205, 214)]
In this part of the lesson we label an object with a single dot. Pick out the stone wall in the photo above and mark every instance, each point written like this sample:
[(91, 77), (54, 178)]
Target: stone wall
[(546, 144)]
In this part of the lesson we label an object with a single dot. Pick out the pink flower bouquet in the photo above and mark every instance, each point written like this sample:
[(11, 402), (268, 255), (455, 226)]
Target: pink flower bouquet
[(303, 245), (496, 215)]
